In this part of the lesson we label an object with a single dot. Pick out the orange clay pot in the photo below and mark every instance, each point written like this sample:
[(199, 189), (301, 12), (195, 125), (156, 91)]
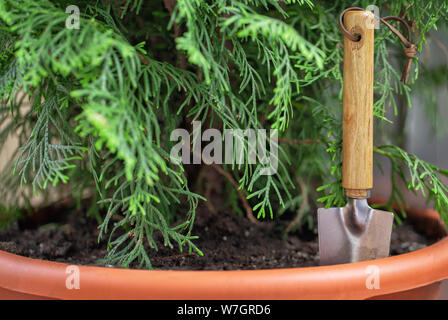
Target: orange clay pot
[(414, 275)]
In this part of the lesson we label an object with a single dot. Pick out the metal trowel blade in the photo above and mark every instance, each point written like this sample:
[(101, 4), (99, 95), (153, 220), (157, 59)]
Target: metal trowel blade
[(353, 233)]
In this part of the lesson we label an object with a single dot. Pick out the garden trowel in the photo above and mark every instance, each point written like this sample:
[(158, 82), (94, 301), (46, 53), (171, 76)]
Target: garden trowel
[(356, 232)]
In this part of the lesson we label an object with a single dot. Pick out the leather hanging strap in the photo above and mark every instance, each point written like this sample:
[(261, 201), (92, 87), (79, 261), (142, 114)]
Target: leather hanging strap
[(410, 49)]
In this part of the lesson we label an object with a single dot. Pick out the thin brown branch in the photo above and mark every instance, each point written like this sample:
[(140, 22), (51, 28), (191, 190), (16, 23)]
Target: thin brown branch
[(297, 141), (441, 46), (303, 205), (228, 176), (143, 59), (169, 5)]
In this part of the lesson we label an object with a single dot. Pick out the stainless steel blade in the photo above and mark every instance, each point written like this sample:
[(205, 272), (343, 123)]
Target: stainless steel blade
[(353, 233)]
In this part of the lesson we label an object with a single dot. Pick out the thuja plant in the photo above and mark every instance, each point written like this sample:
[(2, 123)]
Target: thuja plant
[(108, 81)]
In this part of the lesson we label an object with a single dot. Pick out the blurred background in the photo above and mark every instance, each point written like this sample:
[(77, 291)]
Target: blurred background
[(425, 122)]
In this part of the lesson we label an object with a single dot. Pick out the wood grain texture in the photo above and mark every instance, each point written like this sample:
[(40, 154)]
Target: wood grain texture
[(357, 143)]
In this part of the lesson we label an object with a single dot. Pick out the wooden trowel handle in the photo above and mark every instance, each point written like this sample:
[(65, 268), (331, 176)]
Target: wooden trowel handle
[(357, 137)]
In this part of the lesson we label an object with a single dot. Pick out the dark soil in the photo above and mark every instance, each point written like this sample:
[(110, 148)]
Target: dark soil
[(229, 242)]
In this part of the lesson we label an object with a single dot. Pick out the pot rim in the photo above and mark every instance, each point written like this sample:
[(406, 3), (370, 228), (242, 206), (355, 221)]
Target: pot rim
[(345, 281)]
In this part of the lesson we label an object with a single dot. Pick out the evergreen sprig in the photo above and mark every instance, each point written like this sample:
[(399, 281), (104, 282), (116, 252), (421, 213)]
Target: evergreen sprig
[(418, 176)]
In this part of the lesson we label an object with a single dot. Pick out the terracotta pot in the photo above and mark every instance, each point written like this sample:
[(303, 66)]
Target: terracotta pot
[(414, 275)]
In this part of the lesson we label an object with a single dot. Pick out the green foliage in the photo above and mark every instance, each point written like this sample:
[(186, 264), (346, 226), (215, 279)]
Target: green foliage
[(42, 158), (421, 177), (8, 216), (105, 97)]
